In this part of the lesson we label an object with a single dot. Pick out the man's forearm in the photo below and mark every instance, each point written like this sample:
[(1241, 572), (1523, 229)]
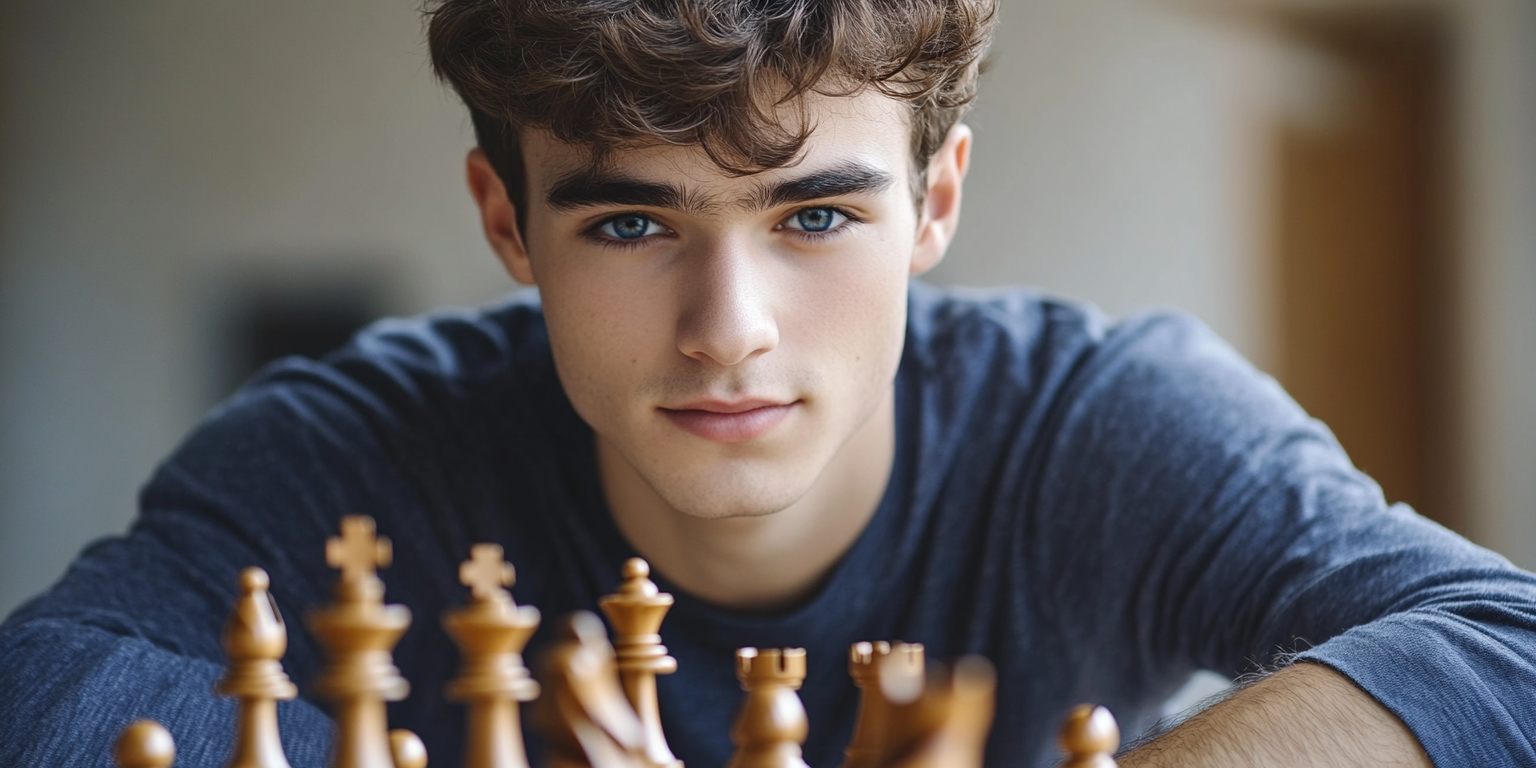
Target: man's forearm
[(1305, 715)]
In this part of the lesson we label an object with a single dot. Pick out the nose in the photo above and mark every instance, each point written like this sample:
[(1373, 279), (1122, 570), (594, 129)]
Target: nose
[(727, 315)]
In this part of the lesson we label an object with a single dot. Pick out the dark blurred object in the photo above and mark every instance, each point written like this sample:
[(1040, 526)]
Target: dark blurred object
[(270, 322)]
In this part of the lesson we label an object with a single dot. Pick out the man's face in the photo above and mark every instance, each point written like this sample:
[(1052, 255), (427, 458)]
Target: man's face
[(725, 336)]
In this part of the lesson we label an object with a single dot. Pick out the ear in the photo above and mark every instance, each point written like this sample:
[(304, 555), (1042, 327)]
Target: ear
[(498, 216), (941, 204)]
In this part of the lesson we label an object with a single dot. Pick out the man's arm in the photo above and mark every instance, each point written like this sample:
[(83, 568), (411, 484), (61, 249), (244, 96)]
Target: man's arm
[(1213, 525), (1304, 715)]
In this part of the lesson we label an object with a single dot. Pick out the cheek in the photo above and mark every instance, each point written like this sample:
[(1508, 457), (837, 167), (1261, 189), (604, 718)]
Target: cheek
[(602, 329), (858, 306)]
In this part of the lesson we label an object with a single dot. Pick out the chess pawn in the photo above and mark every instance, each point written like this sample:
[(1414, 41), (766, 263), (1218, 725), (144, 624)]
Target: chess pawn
[(772, 725), (145, 744), (254, 639), (357, 633), (877, 668), (491, 633), (1090, 737), (636, 612)]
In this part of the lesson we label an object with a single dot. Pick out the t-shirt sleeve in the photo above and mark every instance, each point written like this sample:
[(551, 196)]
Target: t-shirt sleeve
[(1213, 524), (132, 629)]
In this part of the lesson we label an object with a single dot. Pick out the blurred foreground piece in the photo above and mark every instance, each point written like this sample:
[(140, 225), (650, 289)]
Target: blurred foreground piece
[(872, 743), (917, 717), (1090, 737), (406, 749), (583, 715), (145, 744)]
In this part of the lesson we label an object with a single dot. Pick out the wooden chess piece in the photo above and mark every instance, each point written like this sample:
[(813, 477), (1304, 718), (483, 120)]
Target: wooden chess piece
[(1090, 737), (901, 668), (145, 744), (947, 719), (254, 639), (406, 749), (772, 725), (357, 633), (583, 715), (636, 612), (491, 633)]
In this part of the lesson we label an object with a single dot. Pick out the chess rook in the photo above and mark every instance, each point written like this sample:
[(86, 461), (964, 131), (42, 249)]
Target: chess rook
[(255, 638), (357, 633), (636, 612), (772, 725), (887, 676), (1090, 737), (491, 633)]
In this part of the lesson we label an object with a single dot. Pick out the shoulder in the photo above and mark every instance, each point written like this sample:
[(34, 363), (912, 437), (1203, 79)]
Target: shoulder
[(1026, 338), (1005, 321), (399, 366), (1050, 377), (403, 392), (436, 412), (454, 349)]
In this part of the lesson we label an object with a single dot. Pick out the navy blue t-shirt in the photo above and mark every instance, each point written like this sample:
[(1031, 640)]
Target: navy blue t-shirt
[(1100, 509)]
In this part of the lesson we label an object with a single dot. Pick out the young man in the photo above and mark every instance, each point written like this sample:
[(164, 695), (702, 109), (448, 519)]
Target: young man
[(729, 372)]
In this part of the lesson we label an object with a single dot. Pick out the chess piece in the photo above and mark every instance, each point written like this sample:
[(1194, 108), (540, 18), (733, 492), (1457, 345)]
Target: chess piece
[(945, 717), (491, 633), (636, 612), (1090, 737), (585, 719), (254, 639), (771, 726), (357, 634), (406, 749), (901, 668), (145, 744)]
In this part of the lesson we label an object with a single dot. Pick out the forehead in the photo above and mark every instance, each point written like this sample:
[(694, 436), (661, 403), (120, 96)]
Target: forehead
[(869, 130)]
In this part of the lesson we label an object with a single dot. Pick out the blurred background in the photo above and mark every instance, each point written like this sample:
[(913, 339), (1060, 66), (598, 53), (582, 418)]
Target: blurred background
[(1345, 190)]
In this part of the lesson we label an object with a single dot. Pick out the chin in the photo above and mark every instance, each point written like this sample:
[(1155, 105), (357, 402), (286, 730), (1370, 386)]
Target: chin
[(721, 494)]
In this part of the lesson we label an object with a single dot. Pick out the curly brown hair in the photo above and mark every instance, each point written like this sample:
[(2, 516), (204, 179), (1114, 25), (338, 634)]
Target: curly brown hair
[(728, 76)]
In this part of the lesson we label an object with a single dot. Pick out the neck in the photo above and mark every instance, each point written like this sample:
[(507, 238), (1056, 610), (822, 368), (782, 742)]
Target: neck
[(765, 563)]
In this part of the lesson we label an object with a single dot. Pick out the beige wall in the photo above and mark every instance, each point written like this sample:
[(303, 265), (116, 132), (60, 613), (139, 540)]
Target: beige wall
[(1119, 161), (1496, 127), (155, 148), (152, 150)]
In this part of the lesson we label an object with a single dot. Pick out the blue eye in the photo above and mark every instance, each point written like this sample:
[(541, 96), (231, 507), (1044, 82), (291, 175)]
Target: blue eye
[(816, 219), (630, 226)]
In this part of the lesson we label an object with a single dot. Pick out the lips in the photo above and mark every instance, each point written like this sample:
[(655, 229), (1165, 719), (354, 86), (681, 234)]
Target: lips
[(729, 422)]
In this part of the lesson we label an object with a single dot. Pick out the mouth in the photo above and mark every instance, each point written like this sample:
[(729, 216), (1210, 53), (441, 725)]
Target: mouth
[(729, 422)]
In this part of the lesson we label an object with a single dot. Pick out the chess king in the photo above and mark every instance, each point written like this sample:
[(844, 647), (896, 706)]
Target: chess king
[(729, 370)]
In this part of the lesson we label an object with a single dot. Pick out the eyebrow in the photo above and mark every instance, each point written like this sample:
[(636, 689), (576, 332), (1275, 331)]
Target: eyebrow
[(587, 188), (850, 178), (591, 188)]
